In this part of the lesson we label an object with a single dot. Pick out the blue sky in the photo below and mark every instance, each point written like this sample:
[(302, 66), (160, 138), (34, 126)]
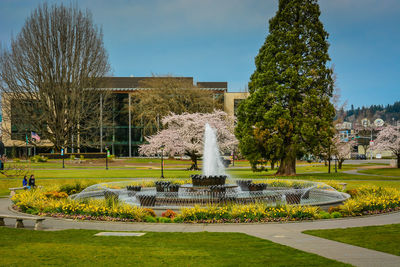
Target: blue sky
[(217, 40)]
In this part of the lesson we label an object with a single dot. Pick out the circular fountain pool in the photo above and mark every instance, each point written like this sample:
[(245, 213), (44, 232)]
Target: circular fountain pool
[(174, 195)]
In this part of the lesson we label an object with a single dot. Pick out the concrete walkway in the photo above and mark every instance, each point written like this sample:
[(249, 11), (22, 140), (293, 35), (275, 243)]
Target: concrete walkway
[(355, 172), (283, 233)]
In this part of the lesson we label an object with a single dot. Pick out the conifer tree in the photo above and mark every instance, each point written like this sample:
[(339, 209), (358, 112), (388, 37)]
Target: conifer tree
[(288, 112)]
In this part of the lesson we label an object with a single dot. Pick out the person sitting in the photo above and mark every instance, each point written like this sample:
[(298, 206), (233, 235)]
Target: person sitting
[(25, 182), (32, 181)]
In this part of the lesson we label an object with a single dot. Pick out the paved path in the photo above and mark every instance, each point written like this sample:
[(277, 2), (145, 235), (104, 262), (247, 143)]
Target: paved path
[(368, 174), (289, 234)]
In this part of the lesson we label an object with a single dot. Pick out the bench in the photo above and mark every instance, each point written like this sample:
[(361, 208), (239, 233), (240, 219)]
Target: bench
[(12, 190), (19, 221)]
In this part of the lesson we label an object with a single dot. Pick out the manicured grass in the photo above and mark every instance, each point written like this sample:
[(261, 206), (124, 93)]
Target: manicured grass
[(343, 176), (51, 173), (384, 238), (384, 172), (21, 247), (49, 177)]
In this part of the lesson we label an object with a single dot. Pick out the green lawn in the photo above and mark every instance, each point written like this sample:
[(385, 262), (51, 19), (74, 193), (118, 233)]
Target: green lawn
[(385, 172), (20, 247), (384, 238), (47, 173)]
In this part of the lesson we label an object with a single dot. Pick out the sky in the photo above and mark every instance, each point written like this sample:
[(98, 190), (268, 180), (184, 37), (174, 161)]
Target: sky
[(217, 40)]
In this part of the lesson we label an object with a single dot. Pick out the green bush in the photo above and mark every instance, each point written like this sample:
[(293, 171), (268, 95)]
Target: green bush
[(73, 188), (17, 160), (164, 220), (336, 214), (32, 211), (81, 157), (324, 215), (150, 219), (177, 219)]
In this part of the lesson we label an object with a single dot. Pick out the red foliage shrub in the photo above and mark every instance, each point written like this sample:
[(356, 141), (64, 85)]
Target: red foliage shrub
[(169, 214)]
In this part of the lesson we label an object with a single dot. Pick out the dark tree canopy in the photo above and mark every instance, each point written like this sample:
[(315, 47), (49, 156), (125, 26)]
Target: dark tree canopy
[(50, 74), (288, 112)]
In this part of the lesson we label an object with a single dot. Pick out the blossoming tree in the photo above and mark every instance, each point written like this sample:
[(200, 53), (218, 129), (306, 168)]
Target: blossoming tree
[(389, 139), (183, 135), (342, 149)]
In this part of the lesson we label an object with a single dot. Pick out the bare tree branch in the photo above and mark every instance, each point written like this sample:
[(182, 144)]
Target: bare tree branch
[(50, 74)]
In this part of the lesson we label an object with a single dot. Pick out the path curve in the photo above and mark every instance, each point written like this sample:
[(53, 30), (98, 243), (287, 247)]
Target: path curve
[(289, 234), (355, 172)]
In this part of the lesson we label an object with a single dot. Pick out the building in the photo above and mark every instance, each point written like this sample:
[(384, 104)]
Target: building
[(125, 135), (232, 101)]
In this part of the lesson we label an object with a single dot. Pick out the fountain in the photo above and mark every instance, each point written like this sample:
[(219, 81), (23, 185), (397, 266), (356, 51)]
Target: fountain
[(215, 187), (212, 163)]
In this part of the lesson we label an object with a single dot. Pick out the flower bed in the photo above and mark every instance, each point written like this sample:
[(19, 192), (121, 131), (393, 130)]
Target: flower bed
[(39, 202), (370, 200), (247, 213), (364, 201)]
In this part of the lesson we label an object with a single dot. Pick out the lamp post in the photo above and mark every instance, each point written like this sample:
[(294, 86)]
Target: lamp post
[(162, 160), (107, 155), (62, 155)]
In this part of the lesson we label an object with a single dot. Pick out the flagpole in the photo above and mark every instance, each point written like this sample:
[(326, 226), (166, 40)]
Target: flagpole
[(26, 144)]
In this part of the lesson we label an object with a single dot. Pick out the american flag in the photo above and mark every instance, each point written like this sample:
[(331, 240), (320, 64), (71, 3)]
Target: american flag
[(35, 136)]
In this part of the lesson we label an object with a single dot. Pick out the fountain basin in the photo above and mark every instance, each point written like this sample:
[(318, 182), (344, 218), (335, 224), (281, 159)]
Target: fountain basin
[(188, 195)]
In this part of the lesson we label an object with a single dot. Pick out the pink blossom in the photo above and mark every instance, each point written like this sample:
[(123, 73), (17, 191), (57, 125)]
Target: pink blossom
[(388, 139), (183, 134)]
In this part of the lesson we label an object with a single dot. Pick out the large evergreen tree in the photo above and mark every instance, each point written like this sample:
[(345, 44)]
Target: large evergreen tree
[(288, 112)]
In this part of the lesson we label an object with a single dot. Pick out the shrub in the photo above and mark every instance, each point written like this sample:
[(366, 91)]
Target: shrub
[(150, 212), (350, 207), (333, 209), (324, 215), (81, 157), (150, 219), (336, 214), (352, 192), (74, 188), (164, 220), (56, 195), (16, 160), (178, 219), (169, 214), (32, 211)]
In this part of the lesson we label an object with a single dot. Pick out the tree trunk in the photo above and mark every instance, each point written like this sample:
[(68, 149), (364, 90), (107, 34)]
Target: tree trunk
[(329, 165), (288, 163), (340, 163), (194, 166), (398, 161)]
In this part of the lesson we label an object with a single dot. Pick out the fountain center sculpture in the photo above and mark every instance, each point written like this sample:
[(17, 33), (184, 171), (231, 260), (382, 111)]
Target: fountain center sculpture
[(212, 163)]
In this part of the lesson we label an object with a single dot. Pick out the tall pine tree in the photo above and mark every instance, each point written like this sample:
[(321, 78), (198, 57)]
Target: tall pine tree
[(288, 112)]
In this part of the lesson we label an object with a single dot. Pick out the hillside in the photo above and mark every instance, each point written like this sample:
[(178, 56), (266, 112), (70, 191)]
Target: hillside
[(389, 113)]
